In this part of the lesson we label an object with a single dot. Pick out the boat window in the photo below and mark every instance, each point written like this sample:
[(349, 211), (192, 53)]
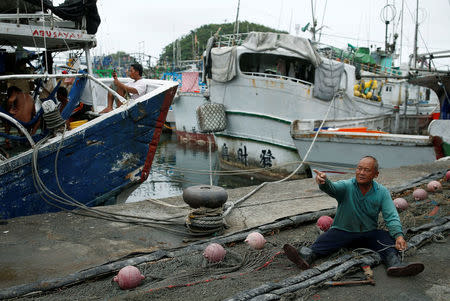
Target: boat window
[(261, 64)]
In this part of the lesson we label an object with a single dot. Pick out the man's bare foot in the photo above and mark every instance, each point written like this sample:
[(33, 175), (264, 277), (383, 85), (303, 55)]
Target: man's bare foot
[(105, 110)]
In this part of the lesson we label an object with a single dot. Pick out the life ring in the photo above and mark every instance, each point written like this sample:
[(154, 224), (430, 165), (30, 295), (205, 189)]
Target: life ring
[(205, 196)]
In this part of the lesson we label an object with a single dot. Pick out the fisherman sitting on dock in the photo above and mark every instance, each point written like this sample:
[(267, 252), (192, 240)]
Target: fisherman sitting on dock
[(135, 88), (360, 200)]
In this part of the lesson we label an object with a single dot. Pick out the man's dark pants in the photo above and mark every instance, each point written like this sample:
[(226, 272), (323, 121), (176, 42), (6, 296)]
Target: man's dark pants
[(335, 239)]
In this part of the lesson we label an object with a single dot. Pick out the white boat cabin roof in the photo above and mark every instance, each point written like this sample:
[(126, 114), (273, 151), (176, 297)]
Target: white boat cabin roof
[(39, 34)]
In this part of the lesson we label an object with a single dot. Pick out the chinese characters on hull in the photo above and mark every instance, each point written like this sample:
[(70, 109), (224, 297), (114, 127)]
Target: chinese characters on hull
[(242, 155), (266, 158)]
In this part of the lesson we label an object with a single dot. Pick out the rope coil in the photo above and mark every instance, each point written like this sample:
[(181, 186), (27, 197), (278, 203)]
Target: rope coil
[(205, 220), (53, 120)]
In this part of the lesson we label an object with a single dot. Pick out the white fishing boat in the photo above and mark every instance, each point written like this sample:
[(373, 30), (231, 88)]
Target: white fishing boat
[(337, 149), (273, 79)]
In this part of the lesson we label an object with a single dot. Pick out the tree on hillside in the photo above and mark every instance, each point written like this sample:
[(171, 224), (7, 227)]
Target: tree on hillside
[(192, 45)]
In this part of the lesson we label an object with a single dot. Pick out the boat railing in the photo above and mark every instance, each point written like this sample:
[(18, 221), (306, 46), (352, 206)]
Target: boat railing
[(18, 16), (277, 76), (39, 18), (58, 76), (349, 58), (231, 39)]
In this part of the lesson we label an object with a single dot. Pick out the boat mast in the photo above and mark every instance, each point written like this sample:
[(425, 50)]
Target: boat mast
[(415, 34), (313, 28), (236, 23), (401, 35)]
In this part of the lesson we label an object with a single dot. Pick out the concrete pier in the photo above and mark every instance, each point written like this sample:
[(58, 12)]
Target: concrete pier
[(46, 246)]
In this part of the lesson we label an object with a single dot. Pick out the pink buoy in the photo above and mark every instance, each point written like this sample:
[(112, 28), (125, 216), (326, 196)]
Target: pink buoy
[(420, 194), (324, 222), (401, 203), (128, 277), (434, 186), (255, 240), (447, 175), (214, 252)]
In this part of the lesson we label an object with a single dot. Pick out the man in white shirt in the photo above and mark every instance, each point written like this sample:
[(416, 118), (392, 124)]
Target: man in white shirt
[(135, 88)]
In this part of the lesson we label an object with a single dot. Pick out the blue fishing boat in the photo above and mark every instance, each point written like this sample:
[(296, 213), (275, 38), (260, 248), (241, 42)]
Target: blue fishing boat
[(62, 168)]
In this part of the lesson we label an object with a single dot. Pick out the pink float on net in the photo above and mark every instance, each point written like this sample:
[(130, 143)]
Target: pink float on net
[(447, 175), (401, 203), (255, 240), (434, 186), (324, 222), (420, 194), (128, 277), (214, 252)]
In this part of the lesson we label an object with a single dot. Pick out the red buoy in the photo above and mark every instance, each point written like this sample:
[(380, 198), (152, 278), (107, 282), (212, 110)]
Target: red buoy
[(324, 222), (128, 277)]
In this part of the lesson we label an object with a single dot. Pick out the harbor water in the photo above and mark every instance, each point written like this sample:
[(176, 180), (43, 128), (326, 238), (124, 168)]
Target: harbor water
[(179, 165)]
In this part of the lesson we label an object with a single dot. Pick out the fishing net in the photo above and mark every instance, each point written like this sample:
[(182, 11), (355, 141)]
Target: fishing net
[(192, 277), (240, 264)]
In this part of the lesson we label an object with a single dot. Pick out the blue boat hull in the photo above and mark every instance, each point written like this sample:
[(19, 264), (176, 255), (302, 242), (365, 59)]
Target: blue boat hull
[(107, 155)]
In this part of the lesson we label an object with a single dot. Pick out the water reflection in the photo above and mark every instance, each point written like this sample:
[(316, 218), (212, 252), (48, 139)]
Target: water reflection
[(177, 166)]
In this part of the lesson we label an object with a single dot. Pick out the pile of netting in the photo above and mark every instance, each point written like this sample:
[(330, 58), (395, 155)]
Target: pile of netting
[(437, 204)]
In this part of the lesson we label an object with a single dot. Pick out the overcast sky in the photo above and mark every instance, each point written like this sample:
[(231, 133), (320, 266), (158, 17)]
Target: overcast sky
[(148, 25)]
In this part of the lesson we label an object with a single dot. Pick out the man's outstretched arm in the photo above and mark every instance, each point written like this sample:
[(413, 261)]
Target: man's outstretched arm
[(331, 188)]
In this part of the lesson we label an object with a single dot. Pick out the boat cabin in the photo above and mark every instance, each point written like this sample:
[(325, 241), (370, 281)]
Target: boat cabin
[(263, 64)]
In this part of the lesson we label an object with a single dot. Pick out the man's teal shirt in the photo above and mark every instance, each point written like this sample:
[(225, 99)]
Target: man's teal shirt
[(359, 213)]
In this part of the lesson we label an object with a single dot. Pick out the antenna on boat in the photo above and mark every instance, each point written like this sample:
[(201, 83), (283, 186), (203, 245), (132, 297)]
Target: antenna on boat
[(387, 15)]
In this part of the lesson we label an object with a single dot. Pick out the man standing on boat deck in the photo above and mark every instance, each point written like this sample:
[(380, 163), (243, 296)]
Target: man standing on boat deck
[(135, 88), (360, 200)]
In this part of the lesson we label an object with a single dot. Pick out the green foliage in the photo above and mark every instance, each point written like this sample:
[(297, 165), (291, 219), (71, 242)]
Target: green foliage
[(203, 34)]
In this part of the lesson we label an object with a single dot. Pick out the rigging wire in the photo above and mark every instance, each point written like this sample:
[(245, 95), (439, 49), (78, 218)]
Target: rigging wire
[(59, 201), (431, 59), (323, 17)]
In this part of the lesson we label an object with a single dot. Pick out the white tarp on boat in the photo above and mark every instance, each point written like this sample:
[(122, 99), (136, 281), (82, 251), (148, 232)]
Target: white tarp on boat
[(327, 79), (224, 60), (224, 64), (262, 41)]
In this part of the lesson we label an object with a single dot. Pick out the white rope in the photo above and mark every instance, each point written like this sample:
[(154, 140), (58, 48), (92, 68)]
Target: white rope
[(228, 210), (20, 127), (210, 162)]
